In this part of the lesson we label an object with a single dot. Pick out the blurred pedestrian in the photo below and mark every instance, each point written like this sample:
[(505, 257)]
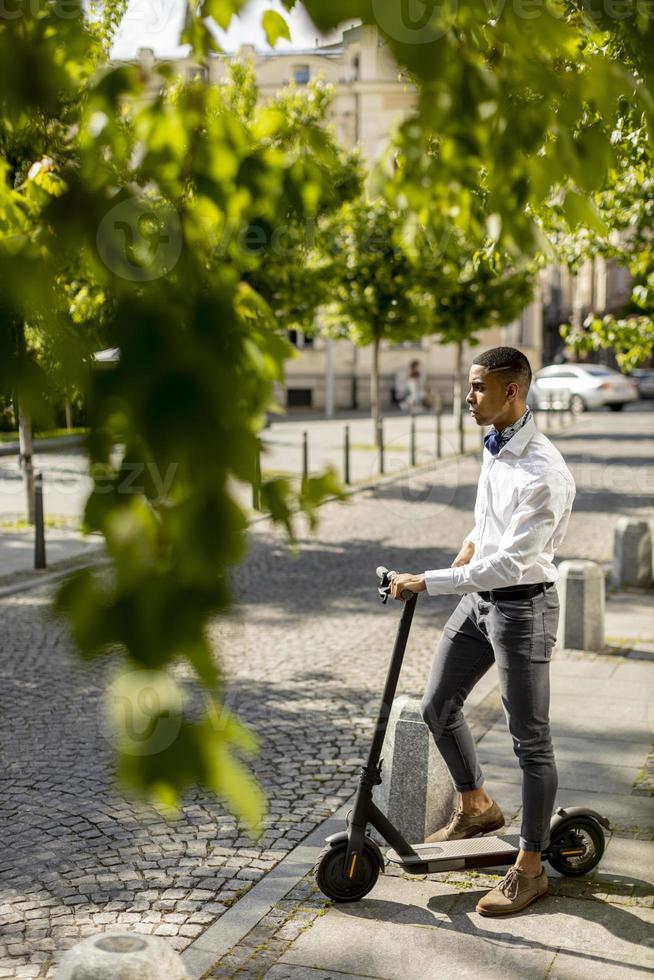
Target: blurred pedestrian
[(415, 396)]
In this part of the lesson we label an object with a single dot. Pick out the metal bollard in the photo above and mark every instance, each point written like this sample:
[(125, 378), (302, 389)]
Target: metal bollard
[(346, 456), (305, 455), (413, 440), (256, 483), (462, 432), (380, 443), (39, 525)]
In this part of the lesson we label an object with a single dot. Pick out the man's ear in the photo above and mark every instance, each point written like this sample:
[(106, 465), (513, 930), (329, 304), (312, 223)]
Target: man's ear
[(512, 390)]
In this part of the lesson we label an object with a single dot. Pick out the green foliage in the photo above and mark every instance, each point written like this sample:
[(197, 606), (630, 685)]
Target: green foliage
[(615, 223), (375, 295), (298, 274), (134, 227), (469, 288), (501, 98), (631, 338)]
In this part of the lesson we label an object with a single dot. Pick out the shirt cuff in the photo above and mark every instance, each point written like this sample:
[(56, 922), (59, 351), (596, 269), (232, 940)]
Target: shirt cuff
[(440, 581), (472, 537)]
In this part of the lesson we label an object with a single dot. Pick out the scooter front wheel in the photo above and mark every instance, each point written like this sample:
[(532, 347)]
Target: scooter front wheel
[(577, 847), (332, 879)]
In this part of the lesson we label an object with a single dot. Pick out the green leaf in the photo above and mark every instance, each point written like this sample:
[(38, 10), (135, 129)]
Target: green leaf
[(275, 27), (579, 210), (222, 11)]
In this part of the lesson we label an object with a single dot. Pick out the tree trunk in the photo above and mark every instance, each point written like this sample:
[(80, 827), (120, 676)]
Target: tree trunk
[(69, 415), (458, 403), (457, 393), (375, 401), (25, 433), (355, 378), (26, 460)]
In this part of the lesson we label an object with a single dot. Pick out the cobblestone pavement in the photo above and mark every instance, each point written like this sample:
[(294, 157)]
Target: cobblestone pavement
[(306, 655)]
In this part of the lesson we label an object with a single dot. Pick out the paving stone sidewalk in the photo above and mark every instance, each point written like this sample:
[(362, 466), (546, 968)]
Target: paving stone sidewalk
[(304, 656)]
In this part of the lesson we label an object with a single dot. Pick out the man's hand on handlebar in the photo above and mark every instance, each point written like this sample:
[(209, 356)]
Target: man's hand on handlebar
[(405, 581)]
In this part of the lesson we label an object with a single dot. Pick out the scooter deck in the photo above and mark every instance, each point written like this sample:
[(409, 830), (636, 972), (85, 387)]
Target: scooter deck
[(474, 852)]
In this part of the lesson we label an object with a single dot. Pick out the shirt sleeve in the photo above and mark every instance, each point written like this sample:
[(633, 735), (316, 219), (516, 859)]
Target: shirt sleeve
[(472, 537), (539, 511)]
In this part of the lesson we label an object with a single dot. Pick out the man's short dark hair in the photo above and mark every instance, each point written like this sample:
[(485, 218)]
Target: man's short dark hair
[(507, 359)]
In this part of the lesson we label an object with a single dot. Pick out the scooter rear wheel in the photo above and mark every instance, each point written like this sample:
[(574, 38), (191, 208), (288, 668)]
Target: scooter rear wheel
[(577, 847), (332, 880)]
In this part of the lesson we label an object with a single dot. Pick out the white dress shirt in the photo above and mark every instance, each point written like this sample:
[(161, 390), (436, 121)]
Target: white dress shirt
[(524, 499)]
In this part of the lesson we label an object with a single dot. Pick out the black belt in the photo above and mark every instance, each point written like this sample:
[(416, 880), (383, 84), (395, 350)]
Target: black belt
[(515, 592)]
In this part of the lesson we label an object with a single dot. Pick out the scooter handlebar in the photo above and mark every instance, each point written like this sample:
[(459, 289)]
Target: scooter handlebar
[(385, 577)]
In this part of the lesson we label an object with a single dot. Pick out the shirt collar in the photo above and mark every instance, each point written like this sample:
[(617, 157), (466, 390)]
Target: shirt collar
[(518, 442)]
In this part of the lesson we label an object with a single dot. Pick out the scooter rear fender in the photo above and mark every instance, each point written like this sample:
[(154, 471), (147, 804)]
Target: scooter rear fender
[(566, 814)]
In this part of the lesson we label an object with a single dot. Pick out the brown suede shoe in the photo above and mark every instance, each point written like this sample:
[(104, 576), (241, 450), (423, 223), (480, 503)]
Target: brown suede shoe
[(514, 893), (464, 825)]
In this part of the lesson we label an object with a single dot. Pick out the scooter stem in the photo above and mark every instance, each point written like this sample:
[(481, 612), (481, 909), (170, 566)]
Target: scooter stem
[(392, 679)]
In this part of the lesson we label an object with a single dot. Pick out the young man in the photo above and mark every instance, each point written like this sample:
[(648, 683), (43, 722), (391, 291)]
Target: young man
[(508, 614)]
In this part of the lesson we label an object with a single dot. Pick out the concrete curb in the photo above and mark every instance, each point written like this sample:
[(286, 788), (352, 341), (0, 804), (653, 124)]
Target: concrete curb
[(248, 911), (43, 445), (50, 576)]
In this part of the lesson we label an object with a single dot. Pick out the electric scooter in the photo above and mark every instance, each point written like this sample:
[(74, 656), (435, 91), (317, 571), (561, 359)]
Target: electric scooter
[(349, 866)]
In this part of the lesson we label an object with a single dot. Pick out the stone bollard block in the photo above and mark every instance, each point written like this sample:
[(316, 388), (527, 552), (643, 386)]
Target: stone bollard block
[(416, 792), (632, 553), (121, 956), (581, 594)]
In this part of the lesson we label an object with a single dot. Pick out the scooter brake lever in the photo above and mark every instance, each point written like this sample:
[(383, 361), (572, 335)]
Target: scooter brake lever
[(384, 589)]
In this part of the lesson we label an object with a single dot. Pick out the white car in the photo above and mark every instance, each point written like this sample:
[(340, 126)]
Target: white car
[(582, 386)]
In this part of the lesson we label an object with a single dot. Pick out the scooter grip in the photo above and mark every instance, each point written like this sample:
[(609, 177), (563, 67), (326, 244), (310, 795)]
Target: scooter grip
[(381, 572)]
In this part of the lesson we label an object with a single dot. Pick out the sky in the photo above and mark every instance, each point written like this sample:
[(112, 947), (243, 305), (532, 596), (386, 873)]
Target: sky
[(157, 24)]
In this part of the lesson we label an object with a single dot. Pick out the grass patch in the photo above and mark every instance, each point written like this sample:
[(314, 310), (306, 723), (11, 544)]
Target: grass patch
[(45, 434), (53, 522)]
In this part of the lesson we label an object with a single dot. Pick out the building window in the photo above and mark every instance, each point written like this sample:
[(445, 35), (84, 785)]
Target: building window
[(299, 339), (197, 74), (301, 74), (299, 398)]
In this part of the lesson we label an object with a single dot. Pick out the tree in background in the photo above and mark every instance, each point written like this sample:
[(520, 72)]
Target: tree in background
[(37, 126), (297, 274), (470, 289), (375, 294), (623, 234)]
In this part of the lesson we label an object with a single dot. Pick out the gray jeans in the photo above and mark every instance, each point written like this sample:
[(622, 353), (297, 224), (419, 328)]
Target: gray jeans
[(519, 636)]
